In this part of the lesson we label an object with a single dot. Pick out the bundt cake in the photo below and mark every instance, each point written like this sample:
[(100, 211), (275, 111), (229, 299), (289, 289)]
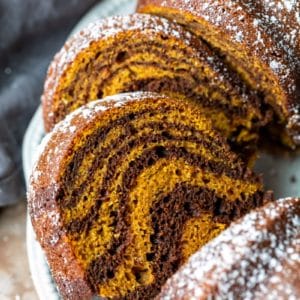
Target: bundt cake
[(127, 188), (258, 257), (259, 40), (148, 53)]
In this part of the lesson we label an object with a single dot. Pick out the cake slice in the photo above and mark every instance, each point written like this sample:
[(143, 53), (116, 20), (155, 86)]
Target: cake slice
[(259, 40), (127, 188), (257, 257), (148, 53)]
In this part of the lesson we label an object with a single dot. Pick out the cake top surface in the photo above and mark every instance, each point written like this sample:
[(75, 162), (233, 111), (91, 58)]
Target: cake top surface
[(111, 26), (247, 259), (280, 19)]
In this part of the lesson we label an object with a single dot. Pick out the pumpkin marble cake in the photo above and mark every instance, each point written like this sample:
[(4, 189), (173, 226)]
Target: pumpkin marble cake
[(259, 40), (258, 257), (148, 53), (127, 188)]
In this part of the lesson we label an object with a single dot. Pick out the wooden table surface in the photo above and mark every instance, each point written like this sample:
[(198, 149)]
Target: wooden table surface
[(15, 279)]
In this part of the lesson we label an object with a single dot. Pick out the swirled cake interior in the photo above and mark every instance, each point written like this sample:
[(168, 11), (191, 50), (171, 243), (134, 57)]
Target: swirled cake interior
[(146, 185), (150, 54)]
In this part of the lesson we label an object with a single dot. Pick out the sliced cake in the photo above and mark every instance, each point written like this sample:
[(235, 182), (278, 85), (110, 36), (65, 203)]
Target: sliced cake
[(148, 53), (127, 188)]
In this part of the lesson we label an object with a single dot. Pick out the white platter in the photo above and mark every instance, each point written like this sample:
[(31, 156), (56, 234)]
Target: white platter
[(279, 172)]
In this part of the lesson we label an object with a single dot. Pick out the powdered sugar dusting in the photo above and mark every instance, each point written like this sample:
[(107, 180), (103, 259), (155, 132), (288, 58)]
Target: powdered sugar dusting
[(239, 36), (275, 65), (290, 4), (36, 172), (92, 108), (247, 260)]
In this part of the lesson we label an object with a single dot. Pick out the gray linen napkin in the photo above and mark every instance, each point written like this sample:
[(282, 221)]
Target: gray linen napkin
[(31, 32)]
